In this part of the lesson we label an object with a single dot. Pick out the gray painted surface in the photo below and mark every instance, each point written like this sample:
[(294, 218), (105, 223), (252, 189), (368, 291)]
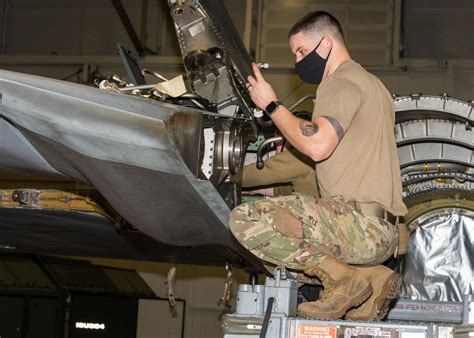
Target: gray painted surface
[(19, 156), (121, 145)]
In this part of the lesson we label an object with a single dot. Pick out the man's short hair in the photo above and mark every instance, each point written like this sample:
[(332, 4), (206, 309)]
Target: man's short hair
[(318, 22)]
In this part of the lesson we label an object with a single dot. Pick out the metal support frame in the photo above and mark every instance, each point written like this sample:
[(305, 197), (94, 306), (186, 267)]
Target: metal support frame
[(127, 23), (138, 42)]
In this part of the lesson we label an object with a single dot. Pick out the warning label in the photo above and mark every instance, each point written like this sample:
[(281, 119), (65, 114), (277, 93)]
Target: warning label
[(366, 332), (316, 331)]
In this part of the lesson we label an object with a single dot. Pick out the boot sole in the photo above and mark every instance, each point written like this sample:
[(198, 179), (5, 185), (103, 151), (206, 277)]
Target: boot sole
[(390, 290), (358, 300)]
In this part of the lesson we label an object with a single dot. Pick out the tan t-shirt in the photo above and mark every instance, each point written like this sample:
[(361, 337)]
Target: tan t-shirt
[(364, 166)]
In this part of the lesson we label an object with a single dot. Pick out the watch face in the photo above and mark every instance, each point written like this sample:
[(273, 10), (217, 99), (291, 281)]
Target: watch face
[(272, 106)]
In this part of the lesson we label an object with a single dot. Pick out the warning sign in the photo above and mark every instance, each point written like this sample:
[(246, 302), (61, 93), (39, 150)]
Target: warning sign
[(316, 331), (366, 332)]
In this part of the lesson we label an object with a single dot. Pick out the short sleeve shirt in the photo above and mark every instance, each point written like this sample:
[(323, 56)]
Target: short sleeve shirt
[(364, 166)]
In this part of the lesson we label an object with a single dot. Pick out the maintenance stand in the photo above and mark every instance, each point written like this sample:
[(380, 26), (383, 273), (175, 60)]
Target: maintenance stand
[(270, 311)]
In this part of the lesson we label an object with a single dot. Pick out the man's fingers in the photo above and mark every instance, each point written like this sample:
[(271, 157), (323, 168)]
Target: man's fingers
[(251, 80), (258, 75), (256, 71)]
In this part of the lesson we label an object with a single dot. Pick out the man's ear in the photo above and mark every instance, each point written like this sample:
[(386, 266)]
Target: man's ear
[(328, 41)]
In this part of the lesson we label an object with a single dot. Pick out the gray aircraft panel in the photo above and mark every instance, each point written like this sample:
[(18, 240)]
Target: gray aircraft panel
[(121, 145), (19, 157)]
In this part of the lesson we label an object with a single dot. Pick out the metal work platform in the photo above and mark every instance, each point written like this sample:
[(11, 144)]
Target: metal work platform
[(270, 311)]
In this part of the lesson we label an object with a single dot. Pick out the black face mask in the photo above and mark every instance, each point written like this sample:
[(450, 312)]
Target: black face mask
[(311, 67)]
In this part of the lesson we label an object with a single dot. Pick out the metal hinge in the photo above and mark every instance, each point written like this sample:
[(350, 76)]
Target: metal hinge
[(27, 197)]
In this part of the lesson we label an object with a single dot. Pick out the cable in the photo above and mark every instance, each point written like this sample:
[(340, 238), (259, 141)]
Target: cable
[(266, 319)]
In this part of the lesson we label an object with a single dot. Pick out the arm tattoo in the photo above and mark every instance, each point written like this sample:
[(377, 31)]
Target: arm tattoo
[(337, 127), (308, 129)]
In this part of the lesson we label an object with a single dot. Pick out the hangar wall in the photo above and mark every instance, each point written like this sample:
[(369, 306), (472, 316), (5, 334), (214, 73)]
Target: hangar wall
[(58, 38), (386, 37), (201, 287)]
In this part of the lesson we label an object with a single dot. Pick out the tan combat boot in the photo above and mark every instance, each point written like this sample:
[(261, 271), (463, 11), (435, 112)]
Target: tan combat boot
[(386, 285), (344, 288)]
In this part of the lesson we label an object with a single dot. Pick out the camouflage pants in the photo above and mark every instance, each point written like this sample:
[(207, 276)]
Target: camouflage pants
[(298, 231)]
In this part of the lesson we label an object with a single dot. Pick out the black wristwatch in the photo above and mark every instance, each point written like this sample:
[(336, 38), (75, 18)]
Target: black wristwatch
[(272, 106)]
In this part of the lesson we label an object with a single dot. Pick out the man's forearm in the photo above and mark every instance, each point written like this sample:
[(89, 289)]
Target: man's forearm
[(316, 139), (306, 136)]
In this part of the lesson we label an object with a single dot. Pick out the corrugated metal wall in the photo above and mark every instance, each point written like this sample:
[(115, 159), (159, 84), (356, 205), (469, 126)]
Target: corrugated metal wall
[(438, 29), (79, 27), (367, 24)]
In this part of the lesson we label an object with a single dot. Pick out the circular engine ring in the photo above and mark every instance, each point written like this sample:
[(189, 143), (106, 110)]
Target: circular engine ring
[(435, 146)]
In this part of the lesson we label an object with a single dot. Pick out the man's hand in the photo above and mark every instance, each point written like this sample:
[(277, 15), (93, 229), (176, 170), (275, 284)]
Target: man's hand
[(261, 92)]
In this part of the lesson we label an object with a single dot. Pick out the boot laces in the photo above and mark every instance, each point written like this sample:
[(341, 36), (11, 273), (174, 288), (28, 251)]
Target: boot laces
[(328, 284)]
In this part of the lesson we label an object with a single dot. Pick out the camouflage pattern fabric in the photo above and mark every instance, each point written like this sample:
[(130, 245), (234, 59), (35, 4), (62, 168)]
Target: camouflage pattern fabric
[(298, 231)]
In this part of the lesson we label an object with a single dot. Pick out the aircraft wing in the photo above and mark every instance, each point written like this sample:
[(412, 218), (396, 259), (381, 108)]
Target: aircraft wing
[(132, 150)]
